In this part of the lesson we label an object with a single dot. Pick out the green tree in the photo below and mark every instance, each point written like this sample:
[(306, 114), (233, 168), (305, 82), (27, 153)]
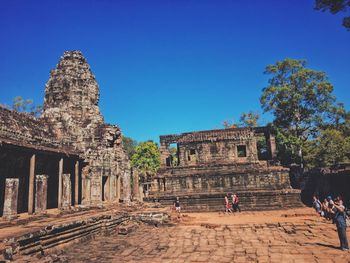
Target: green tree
[(249, 119), (333, 148), (335, 6), (298, 98), (146, 158), (129, 145)]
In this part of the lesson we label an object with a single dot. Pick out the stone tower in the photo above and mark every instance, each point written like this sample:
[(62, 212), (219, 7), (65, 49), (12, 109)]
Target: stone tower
[(71, 108)]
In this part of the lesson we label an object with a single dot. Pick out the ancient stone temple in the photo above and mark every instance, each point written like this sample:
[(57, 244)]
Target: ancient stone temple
[(69, 155), (209, 164)]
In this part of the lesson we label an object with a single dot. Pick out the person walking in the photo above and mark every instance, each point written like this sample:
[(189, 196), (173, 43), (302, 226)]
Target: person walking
[(236, 203), (340, 220), (227, 205)]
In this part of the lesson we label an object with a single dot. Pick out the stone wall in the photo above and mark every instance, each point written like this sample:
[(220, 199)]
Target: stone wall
[(238, 145), (262, 180)]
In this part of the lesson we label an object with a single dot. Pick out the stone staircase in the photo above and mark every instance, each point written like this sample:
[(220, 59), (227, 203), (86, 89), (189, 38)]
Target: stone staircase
[(249, 200)]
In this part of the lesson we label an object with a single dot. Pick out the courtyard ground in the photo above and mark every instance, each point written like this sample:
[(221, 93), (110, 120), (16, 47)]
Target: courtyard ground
[(296, 235)]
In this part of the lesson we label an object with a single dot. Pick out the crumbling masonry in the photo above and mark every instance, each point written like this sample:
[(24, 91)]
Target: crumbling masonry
[(69, 155), (209, 164)]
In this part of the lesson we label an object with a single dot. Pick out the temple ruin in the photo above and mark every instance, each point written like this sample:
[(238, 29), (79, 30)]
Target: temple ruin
[(209, 164), (68, 156)]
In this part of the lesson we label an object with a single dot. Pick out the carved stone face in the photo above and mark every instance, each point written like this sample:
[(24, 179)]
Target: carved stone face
[(112, 136)]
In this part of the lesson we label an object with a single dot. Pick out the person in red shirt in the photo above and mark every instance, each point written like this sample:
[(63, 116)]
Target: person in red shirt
[(235, 202)]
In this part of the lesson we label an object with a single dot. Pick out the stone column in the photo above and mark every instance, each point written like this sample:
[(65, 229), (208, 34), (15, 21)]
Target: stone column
[(41, 193), (155, 185), (271, 145), (164, 153), (76, 183), (126, 187), (95, 190), (136, 185), (112, 187), (66, 191), (31, 184), (86, 191), (118, 188), (11, 198), (141, 193), (60, 173)]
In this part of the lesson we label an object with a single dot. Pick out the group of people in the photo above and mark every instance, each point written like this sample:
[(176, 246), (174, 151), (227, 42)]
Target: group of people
[(232, 204), (334, 210)]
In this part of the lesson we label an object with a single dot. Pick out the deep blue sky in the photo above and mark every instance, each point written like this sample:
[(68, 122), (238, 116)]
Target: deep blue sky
[(169, 66)]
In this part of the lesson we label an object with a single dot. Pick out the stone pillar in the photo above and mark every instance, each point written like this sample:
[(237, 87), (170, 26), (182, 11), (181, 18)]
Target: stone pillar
[(76, 183), (136, 185), (126, 187), (66, 191), (141, 192), (31, 184), (112, 187), (60, 174), (271, 145), (95, 190), (41, 194), (85, 188), (155, 185), (85, 200), (118, 188), (164, 153), (11, 198)]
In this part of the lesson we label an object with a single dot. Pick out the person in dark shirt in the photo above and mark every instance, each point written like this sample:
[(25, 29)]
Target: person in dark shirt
[(177, 205), (339, 218)]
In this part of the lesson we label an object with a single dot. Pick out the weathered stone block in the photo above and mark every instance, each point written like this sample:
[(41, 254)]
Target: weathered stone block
[(11, 198), (41, 193), (66, 191)]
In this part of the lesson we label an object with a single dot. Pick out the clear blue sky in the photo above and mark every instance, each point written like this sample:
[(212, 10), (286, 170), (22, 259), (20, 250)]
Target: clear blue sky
[(169, 66)]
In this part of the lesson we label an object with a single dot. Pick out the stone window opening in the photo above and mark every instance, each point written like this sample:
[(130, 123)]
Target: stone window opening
[(192, 155), (241, 150), (174, 155)]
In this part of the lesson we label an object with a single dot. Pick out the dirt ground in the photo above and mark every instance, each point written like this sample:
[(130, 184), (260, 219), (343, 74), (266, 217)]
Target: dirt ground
[(296, 235)]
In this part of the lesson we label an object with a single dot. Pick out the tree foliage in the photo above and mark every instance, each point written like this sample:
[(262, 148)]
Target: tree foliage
[(335, 6), (146, 158), (249, 119), (129, 145), (333, 148), (299, 99)]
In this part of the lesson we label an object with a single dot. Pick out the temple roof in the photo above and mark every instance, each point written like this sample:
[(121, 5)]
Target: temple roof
[(24, 130)]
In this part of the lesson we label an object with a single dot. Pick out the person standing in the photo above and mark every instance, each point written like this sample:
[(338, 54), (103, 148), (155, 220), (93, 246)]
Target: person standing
[(236, 203), (317, 204), (340, 220), (177, 205)]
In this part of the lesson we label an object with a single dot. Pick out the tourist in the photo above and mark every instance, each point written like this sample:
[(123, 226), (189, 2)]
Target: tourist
[(177, 205), (325, 209), (317, 205), (236, 203), (227, 204), (340, 221)]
